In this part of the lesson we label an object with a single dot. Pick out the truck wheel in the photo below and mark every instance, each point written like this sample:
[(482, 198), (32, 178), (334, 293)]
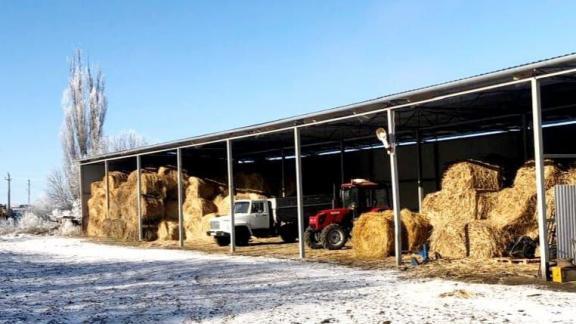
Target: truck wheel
[(288, 233), (242, 236), (333, 237), (312, 238), (222, 240)]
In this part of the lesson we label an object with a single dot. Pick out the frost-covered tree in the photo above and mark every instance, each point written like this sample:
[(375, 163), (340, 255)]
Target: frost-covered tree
[(124, 141), (85, 105)]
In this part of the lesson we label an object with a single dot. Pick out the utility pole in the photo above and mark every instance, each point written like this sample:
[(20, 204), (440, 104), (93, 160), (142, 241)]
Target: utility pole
[(8, 208), (28, 193)]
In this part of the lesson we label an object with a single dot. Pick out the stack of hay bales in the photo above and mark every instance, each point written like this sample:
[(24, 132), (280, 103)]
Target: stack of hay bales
[(467, 194), (499, 216), (373, 233), (159, 204)]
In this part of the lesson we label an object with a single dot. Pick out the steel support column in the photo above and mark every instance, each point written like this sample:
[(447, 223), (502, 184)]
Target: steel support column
[(283, 173), (395, 189), (139, 195), (540, 181), (83, 206), (180, 197), (419, 167), (106, 183), (231, 193), (342, 175), (299, 191)]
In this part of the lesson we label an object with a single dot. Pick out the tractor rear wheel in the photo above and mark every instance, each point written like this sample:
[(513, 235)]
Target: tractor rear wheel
[(312, 238), (334, 237)]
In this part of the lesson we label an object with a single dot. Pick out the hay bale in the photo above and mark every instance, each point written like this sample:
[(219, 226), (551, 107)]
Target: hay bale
[(525, 179), (199, 188), (417, 228), (168, 231), (472, 175), (171, 210), (486, 202), (373, 235), (196, 219), (449, 239), (250, 181), (485, 240), (116, 178), (444, 206), (513, 211)]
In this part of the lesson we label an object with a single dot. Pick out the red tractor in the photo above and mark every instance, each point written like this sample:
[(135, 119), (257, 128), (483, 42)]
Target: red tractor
[(331, 228)]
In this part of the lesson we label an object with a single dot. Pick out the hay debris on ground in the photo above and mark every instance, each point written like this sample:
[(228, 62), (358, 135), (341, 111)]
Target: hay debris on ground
[(458, 293)]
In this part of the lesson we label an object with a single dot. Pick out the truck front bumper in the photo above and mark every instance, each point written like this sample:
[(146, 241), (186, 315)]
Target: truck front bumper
[(217, 233)]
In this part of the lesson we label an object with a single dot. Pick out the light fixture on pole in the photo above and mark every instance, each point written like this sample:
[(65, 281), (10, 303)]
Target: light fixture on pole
[(382, 135)]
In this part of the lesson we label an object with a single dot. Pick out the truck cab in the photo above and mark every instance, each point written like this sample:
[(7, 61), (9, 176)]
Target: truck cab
[(251, 218)]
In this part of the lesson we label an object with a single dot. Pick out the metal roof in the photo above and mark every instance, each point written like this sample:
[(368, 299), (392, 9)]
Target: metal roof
[(520, 73)]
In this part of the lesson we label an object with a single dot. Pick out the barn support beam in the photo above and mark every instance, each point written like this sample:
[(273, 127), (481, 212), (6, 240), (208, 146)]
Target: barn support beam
[(283, 173), (299, 191), (139, 195), (395, 188), (83, 205), (106, 183), (180, 197), (540, 181), (231, 193), (342, 174), (419, 169)]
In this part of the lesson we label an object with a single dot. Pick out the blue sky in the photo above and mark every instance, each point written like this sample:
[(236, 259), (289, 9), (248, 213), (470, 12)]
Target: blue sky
[(180, 68)]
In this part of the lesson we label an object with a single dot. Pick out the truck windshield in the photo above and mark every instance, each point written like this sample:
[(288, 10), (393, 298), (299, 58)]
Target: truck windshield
[(241, 207)]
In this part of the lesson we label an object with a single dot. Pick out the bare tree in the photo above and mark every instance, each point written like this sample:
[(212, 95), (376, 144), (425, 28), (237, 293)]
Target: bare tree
[(124, 141), (85, 105), (58, 192)]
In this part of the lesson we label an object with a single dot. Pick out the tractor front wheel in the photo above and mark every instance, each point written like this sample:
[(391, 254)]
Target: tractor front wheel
[(334, 237), (312, 238)]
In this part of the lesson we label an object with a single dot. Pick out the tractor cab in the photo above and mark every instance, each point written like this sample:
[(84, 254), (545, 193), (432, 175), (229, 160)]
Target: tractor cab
[(360, 196)]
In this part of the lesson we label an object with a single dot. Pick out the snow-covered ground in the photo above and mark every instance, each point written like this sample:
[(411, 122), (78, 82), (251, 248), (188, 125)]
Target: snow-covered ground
[(45, 278)]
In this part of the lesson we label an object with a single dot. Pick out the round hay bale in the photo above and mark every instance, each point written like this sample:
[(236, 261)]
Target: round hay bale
[(472, 175), (168, 231), (373, 235)]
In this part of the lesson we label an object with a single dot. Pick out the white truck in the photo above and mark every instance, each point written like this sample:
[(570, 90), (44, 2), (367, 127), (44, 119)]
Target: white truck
[(265, 218)]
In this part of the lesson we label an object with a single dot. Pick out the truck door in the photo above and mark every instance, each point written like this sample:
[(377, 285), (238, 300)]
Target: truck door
[(260, 216)]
